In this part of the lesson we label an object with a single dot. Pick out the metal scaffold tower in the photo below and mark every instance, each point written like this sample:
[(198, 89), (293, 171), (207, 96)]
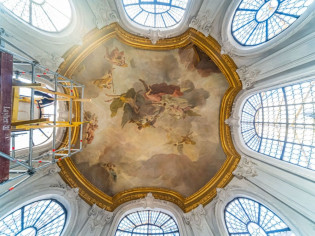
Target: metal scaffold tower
[(20, 72)]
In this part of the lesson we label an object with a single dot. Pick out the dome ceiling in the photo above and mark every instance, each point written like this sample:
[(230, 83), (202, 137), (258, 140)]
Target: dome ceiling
[(154, 118), (155, 122)]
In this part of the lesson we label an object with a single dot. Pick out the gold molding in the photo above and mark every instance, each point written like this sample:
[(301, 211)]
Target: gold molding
[(210, 46)]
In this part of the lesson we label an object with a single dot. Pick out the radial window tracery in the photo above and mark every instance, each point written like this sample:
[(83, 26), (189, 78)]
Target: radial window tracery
[(47, 15), (40, 218), (258, 21), (147, 223), (155, 13), (280, 123), (244, 216)]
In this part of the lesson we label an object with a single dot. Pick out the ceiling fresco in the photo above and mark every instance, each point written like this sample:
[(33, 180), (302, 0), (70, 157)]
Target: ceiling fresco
[(153, 120)]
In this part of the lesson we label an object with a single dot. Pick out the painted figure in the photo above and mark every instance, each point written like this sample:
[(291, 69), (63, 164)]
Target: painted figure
[(105, 82), (181, 141), (91, 126), (155, 92), (110, 168), (116, 57), (144, 108)]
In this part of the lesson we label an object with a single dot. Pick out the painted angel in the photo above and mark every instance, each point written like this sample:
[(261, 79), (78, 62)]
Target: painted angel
[(155, 92), (105, 82), (116, 57)]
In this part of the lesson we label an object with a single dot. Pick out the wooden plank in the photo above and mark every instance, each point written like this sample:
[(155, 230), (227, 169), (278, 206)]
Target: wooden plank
[(17, 83), (27, 127), (75, 99), (6, 72), (63, 124), (27, 122), (28, 100), (15, 106), (51, 92)]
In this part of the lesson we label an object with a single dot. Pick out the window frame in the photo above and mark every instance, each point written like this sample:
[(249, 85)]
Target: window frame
[(239, 143), (264, 139), (17, 27), (181, 27), (29, 24), (168, 208), (157, 28), (40, 191), (147, 224), (22, 207), (238, 49), (250, 191), (259, 203)]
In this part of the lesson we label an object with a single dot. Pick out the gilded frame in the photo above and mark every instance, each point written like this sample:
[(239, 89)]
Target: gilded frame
[(211, 47)]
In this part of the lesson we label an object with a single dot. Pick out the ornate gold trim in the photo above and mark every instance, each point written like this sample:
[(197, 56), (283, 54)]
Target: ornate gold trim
[(210, 46)]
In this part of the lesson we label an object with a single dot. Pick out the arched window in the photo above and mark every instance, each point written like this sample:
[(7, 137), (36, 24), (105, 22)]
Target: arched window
[(244, 216), (280, 123), (47, 15), (258, 21), (40, 218), (147, 223), (155, 14)]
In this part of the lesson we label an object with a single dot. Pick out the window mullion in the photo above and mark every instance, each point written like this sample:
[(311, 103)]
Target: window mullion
[(262, 124), (287, 123)]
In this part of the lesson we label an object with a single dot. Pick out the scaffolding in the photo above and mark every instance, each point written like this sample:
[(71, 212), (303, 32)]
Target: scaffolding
[(65, 90)]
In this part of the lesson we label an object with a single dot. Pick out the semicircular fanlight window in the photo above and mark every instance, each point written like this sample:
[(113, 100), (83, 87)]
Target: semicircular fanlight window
[(244, 216), (40, 218), (155, 13), (46, 15), (147, 223), (257, 21)]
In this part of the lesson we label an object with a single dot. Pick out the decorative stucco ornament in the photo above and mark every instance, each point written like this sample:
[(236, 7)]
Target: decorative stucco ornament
[(202, 22), (247, 76), (103, 14), (245, 169)]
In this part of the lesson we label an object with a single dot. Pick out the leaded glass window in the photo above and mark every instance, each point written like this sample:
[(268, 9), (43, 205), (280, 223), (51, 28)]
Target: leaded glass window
[(258, 21), (40, 218), (155, 13), (244, 216), (280, 123), (147, 223), (47, 15)]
